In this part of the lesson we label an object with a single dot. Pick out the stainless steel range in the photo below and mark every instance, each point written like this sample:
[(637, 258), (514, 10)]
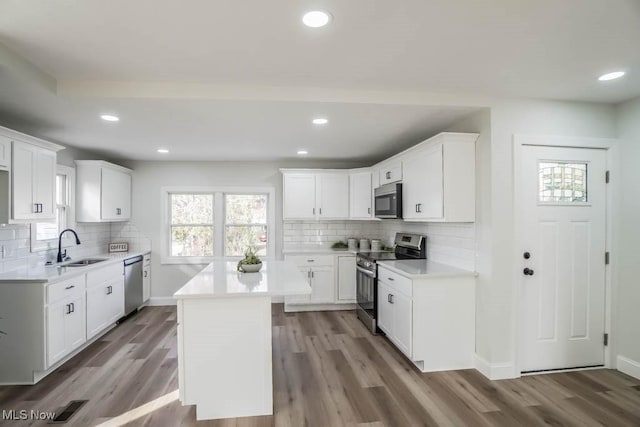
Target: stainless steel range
[(407, 246)]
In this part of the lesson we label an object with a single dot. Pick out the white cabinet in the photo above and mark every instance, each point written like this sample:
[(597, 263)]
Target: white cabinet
[(360, 195), (347, 278), (5, 153), (103, 192), (33, 175), (299, 196), (309, 195), (390, 172), (332, 192), (66, 322), (319, 271), (395, 315), (439, 180), (146, 278), (431, 319), (105, 305)]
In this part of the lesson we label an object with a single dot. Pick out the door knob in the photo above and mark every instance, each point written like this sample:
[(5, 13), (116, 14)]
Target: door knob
[(527, 272), (526, 255)]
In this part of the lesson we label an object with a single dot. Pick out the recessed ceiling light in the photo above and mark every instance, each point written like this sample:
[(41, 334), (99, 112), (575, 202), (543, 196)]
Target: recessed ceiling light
[(163, 150), (611, 76), (316, 18), (302, 152), (320, 121), (109, 117)]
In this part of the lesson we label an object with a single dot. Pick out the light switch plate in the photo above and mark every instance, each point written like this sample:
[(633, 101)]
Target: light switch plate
[(118, 247)]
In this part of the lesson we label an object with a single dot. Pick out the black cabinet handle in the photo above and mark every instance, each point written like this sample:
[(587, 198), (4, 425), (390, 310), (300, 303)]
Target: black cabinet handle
[(528, 272), (388, 175), (391, 278), (526, 255), (145, 273), (391, 298), (68, 309), (70, 287), (369, 211)]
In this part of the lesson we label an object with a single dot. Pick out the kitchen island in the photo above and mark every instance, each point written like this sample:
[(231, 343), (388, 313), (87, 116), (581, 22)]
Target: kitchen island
[(224, 337)]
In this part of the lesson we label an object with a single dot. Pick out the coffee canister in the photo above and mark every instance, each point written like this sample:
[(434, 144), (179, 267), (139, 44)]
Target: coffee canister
[(376, 245), (364, 245)]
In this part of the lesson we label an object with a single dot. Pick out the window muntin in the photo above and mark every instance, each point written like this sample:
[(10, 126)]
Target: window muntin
[(192, 225), (245, 224), (562, 182)]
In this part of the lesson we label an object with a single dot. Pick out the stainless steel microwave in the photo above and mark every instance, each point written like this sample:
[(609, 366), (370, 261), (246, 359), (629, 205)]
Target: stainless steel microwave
[(388, 201)]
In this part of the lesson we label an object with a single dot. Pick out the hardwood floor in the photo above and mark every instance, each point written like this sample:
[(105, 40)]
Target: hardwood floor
[(328, 371)]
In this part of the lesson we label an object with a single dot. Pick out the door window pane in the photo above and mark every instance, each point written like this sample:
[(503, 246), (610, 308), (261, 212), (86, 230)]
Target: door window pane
[(562, 182)]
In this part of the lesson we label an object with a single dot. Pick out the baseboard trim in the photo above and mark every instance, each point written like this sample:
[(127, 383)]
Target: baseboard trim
[(293, 308), (628, 366), (495, 371), (160, 301)]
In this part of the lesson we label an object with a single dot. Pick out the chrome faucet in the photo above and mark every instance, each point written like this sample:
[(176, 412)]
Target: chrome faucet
[(60, 256)]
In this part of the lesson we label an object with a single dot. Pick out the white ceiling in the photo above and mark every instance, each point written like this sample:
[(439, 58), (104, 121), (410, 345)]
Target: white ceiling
[(544, 49)]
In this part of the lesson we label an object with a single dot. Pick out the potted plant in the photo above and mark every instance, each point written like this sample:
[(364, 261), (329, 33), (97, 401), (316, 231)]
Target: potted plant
[(250, 263)]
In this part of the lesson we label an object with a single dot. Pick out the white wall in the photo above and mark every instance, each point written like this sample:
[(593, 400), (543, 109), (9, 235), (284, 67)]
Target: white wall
[(509, 117), (150, 177), (627, 232)]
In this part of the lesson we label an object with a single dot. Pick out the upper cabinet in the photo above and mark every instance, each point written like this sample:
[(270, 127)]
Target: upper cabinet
[(360, 195), (390, 172), (310, 195), (439, 180), (27, 178), (103, 192)]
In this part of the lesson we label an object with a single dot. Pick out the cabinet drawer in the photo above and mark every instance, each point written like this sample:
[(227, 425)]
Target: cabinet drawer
[(146, 260), (395, 281), (105, 274), (311, 260), (65, 289)]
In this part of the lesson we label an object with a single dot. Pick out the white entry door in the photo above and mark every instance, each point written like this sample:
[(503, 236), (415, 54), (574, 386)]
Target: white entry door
[(563, 218)]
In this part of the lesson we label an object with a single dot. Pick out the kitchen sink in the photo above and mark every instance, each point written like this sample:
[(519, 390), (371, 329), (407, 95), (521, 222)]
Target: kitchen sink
[(84, 262)]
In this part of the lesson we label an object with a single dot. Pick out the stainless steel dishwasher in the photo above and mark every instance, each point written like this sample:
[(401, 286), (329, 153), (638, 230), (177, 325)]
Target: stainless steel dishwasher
[(132, 284)]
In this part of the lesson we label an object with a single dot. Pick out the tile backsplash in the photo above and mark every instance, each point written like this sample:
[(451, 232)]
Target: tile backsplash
[(450, 243), (15, 243)]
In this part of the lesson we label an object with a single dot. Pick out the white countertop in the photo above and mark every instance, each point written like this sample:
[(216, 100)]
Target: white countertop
[(55, 273), (424, 269), (220, 279)]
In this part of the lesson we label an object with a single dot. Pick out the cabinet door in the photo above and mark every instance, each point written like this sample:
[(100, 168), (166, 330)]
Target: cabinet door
[(299, 196), (333, 196), (22, 175), (402, 324), (360, 196), (346, 278), (422, 187), (385, 308), (45, 183), (56, 344), (301, 299), (391, 173), (115, 300), (5, 153), (116, 195), (146, 282), (75, 324), (322, 285)]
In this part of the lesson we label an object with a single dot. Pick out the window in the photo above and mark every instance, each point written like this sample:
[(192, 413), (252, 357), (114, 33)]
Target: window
[(562, 182), (245, 223), (205, 223), (44, 235)]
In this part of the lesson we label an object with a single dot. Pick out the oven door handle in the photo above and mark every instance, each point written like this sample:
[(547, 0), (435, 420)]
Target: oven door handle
[(366, 272)]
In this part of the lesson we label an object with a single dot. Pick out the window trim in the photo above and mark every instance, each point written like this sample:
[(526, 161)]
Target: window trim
[(218, 221), (67, 241)]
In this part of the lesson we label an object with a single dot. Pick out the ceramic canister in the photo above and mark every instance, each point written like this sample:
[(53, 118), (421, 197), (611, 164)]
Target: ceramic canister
[(364, 245), (352, 244)]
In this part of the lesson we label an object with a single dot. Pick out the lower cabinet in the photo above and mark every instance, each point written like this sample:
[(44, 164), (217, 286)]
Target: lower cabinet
[(395, 316), (66, 325), (431, 319), (105, 305), (332, 279), (146, 278)]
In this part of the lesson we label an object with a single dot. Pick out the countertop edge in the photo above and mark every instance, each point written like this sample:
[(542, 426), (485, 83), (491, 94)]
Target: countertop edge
[(460, 273)]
